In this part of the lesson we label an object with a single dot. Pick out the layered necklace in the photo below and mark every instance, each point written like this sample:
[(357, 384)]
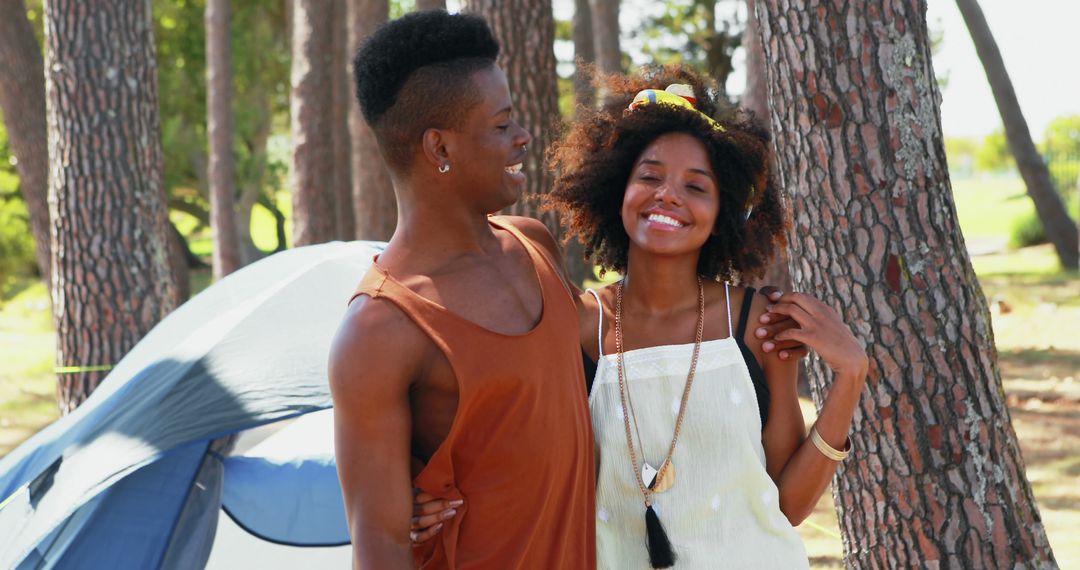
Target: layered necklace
[(650, 479)]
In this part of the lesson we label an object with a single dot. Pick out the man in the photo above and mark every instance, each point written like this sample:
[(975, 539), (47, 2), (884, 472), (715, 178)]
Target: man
[(461, 346)]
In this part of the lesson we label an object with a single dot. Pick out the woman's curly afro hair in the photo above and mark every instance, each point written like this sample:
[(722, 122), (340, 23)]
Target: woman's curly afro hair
[(593, 164)]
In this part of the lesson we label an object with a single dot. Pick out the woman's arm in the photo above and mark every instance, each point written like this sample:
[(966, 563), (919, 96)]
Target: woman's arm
[(800, 469)]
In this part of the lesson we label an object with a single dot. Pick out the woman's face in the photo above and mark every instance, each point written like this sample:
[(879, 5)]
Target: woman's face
[(672, 199)]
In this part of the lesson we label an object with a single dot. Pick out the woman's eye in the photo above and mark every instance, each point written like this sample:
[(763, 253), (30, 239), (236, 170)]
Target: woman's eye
[(696, 188), (503, 127), (649, 177)]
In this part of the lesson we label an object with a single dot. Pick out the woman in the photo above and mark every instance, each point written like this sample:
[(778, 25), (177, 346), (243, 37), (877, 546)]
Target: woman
[(702, 455)]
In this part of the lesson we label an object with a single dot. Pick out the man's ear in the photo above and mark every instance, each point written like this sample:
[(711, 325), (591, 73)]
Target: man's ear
[(435, 143)]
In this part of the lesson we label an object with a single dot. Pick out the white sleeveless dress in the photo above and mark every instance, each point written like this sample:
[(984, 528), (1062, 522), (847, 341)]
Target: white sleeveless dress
[(724, 509)]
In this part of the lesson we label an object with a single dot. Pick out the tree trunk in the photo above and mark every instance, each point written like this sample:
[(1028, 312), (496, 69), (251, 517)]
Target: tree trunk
[(1048, 203), (310, 110), (107, 204), (179, 255), (720, 46), (605, 21), (756, 96), (22, 102), (584, 53), (341, 79), (430, 4), (756, 99), (252, 189), (222, 174), (373, 191), (936, 478), (279, 221)]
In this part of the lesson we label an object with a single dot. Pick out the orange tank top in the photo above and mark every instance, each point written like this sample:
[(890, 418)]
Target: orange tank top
[(520, 450)]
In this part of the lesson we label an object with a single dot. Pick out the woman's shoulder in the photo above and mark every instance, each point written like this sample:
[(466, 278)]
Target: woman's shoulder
[(720, 294)]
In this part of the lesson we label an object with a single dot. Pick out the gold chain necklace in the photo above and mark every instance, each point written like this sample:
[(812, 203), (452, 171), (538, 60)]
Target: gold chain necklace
[(662, 479)]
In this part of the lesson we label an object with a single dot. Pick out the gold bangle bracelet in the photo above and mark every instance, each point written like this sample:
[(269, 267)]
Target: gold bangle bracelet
[(828, 450)]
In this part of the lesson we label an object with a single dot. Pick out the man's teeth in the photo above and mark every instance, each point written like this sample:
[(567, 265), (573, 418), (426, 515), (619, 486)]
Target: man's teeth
[(660, 218), (514, 169)]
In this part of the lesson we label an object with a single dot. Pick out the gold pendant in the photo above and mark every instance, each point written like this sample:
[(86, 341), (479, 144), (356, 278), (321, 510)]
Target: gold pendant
[(665, 478)]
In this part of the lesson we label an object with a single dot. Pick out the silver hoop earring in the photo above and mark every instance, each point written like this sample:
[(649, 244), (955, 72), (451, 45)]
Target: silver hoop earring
[(444, 168), (524, 148)]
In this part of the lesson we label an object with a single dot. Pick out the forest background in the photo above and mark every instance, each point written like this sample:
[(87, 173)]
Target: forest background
[(1034, 299)]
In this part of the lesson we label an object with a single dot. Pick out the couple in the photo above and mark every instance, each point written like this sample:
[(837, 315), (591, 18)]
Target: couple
[(460, 366)]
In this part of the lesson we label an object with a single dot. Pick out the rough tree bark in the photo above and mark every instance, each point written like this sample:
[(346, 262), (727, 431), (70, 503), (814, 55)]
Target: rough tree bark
[(584, 53), (311, 116), (1040, 187), (345, 224), (430, 4), (373, 191), (222, 163), (107, 203), (22, 101), (526, 33), (936, 478)]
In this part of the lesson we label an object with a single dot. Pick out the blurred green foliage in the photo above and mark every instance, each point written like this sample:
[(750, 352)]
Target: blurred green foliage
[(994, 154), (17, 255)]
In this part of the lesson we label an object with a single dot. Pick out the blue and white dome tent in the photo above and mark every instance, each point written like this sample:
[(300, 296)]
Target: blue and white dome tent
[(139, 475)]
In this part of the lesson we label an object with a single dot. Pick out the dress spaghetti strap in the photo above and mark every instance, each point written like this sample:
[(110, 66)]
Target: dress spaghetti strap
[(600, 326)]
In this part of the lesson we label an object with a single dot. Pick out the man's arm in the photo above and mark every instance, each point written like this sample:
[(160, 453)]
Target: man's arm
[(373, 360)]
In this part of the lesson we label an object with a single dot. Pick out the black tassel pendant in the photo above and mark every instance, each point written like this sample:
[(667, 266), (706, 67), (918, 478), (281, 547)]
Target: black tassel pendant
[(661, 555)]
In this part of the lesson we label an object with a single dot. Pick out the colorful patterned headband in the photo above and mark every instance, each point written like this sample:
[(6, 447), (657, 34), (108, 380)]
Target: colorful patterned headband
[(682, 96), (676, 95)]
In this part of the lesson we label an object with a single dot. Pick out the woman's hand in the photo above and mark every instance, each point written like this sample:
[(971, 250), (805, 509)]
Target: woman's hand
[(821, 329), (429, 514), (771, 324)]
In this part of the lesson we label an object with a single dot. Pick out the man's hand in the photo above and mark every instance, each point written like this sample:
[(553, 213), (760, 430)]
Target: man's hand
[(772, 324)]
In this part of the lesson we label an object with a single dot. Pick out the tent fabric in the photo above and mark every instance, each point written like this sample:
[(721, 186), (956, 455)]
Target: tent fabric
[(250, 350), (196, 525), (286, 490), (136, 508), (260, 496)]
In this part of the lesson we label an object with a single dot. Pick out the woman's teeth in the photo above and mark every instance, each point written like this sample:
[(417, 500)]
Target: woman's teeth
[(662, 219), (513, 169)]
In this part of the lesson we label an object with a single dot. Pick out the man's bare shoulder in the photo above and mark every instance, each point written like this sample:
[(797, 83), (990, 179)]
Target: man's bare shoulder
[(536, 231), (375, 340)]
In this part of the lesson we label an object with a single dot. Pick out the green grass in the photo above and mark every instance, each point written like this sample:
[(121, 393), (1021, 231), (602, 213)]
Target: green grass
[(1029, 261), (988, 207), (27, 345)]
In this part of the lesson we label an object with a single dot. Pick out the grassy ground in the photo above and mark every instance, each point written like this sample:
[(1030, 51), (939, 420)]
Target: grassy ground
[(1036, 312), (27, 342)]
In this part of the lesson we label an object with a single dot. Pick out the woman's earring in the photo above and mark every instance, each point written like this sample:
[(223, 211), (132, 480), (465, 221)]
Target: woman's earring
[(444, 168)]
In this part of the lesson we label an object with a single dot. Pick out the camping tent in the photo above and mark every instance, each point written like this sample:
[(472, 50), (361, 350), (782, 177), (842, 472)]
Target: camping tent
[(138, 476)]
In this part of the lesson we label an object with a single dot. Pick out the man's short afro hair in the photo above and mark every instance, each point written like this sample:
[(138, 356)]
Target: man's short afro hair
[(419, 39)]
